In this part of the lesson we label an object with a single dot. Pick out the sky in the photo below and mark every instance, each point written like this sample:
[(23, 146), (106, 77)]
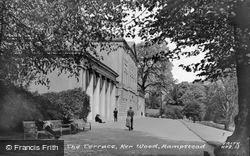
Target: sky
[(178, 73)]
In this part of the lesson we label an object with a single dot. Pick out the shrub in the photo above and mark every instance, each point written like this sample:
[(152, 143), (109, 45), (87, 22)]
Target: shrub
[(194, 110), (154, 113), (48, 109), (73, 102), (173, 112)]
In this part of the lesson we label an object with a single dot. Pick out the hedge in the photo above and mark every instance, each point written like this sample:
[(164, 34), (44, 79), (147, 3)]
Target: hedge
[(73, 102)]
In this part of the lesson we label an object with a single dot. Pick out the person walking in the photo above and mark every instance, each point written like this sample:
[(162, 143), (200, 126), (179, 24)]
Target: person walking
[(128, 122), (115, 112), (130, 113)]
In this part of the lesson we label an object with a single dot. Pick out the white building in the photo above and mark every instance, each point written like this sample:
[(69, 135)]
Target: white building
[(110, 82)]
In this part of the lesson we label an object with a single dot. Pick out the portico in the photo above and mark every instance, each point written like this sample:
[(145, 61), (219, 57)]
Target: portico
[(99, 82)]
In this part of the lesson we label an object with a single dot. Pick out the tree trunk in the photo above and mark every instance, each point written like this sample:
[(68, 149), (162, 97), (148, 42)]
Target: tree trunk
[(226, 126), (242, 120), (241, 133), (242, 124), (227, 119)]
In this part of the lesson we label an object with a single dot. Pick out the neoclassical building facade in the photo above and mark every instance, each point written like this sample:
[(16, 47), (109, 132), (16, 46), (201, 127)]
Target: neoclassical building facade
[(110, 81)]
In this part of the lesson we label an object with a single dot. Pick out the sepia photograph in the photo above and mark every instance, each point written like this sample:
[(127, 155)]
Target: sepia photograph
[(124, 77)]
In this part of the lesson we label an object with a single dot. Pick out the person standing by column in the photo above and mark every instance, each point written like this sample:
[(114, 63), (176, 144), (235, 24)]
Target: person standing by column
[(115, 112), (131, 113)]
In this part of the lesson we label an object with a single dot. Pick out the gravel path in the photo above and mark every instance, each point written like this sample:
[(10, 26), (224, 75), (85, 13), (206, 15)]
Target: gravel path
[(151, 136)]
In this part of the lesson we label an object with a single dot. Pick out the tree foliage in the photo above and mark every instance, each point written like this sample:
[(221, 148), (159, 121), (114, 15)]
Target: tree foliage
[(184, 93), (220, 29), (203, 24), (37, 36), (154, 70), (193, 110), (173, 112), (186, 98), (222, 100), (74, 103), (153, 101)]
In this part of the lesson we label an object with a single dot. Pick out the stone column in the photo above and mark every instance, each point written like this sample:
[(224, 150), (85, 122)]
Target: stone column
[(106, 98), (103, 98), (108, 101), (89, 91), (112, 99), (96, 97)]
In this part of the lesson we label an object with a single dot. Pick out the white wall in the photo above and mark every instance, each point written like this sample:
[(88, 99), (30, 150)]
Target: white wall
[(57, 83)]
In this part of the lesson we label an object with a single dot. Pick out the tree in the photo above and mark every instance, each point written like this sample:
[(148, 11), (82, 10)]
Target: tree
[(222, 98), (153, 101), (193, 110), (37, 37), (173, 112), (184, 93), (194, 92), (218, 28), (229, 91), (175, 94), (153, 71), (189, 98)]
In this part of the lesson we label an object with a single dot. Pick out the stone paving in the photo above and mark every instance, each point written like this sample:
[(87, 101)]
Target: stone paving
[(151, 136), (161, 127)]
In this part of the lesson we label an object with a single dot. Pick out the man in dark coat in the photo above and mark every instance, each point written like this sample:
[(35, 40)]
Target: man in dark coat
[(131, 113), (115, 115)]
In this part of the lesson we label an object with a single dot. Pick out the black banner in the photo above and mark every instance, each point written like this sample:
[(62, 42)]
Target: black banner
[(32, 147)]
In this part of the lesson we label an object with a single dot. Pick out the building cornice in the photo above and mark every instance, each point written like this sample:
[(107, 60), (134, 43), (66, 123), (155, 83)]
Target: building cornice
[(101, 68), (132, 51)]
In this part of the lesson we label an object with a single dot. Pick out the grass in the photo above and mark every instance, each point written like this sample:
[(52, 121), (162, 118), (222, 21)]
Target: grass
[(215, 125)]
